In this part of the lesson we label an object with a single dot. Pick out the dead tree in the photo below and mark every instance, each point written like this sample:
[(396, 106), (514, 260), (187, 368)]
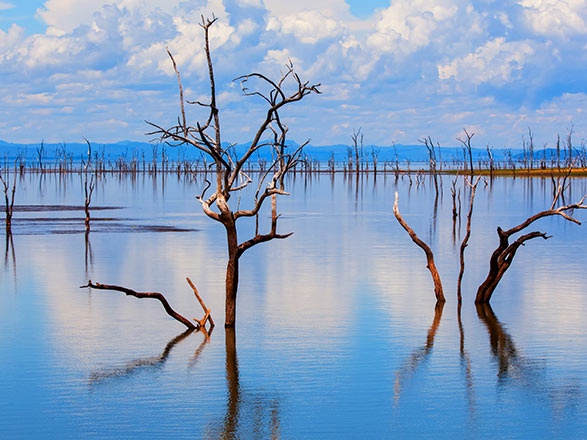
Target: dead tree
[(229, 170), (467, 146), (200, 323), (465, 241), (502, 257), (427, 141), (88, 188), (357, 139), (9, 202), (429, 255)]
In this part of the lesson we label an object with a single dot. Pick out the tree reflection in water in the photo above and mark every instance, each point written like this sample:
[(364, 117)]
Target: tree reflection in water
[(514, 368), (9, 254), (247, 415), (405, 372), (89, 256), (135, 365)]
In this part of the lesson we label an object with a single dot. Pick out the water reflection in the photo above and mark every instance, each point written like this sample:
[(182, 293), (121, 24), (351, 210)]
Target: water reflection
[(465, 361), (89, 256), (513, 367), (9, 252), (419, 355), (135, 365), (247, 414)]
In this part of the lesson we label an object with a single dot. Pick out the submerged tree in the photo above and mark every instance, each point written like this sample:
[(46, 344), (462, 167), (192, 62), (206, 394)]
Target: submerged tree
[(229, 168), (9, 202), (503, 256), (438, 292)]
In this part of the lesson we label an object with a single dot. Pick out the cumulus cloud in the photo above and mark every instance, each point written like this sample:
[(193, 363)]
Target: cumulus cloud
[(409, 25), (497, 61), (309, 26), (556, 17), (4, 6), (390, 73)]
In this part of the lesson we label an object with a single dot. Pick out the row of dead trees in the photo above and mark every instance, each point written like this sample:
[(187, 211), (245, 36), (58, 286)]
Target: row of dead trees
[(229, 177)]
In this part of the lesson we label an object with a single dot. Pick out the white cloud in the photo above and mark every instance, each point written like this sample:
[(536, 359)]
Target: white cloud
[(4, 6), (308, 26), (332, 8), (66, 15), (495, 62), (409, 25), (9, 40), (556, 17), (107, 59)]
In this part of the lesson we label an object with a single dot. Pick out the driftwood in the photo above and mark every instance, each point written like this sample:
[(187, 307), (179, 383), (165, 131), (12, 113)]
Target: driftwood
[(161, 298), (502, 257), (429, 255)]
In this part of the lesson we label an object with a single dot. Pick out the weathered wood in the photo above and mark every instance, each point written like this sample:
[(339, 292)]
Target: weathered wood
[(465, 241), (155, 295), (207, 315), (429, 255), (502, 257), (9, 202), (230, 169)]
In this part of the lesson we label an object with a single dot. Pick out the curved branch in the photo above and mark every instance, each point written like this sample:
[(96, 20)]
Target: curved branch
[(155, 295), (429, 255)]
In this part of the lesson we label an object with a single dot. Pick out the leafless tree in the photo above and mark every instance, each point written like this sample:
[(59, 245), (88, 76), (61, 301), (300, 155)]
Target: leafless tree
[(357, 138), (229, 169), (427, 141), (466, 141), (429, 255), (502, 257), (465, 241), (88, 187), (9, 202)]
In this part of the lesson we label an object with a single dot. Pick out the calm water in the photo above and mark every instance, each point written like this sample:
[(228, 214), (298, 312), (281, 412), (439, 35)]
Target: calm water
[(337, 335)]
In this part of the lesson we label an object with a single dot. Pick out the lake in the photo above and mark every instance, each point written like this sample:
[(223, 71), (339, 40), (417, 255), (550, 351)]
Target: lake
[(337, 332)]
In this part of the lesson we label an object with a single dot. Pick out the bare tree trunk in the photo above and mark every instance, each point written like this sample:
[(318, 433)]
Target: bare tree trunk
[(465, 242), (429, 255), (502, 257), (9, 202), (231, 275)]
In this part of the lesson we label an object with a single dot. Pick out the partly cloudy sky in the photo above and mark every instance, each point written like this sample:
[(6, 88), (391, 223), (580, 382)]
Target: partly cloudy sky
[(400, 69)]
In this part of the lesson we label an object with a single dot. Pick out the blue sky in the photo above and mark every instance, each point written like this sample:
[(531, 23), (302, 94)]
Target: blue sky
[(400, 69)]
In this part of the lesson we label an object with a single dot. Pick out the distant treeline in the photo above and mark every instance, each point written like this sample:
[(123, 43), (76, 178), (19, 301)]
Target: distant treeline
[(128, 156)]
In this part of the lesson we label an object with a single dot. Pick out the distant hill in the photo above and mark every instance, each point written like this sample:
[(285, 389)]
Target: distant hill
[(132, 149), (129, 149)]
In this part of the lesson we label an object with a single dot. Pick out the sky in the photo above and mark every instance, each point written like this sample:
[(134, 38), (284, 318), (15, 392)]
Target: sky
[(398, 69)]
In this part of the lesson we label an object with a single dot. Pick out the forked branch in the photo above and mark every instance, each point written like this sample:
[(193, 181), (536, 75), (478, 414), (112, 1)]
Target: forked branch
[(502, 257), (155, 295)]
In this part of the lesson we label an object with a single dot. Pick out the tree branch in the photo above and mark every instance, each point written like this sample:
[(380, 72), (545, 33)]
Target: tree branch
[(429, 255), (155, 295)]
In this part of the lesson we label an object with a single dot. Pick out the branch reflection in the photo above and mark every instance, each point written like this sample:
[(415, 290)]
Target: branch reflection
[(465, 361), (513, 367), (247, 414), (405, 373), (89, 256), (9, 251), (133, 366)]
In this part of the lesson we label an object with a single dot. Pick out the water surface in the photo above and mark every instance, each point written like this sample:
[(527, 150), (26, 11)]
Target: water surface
[(337, 332)]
